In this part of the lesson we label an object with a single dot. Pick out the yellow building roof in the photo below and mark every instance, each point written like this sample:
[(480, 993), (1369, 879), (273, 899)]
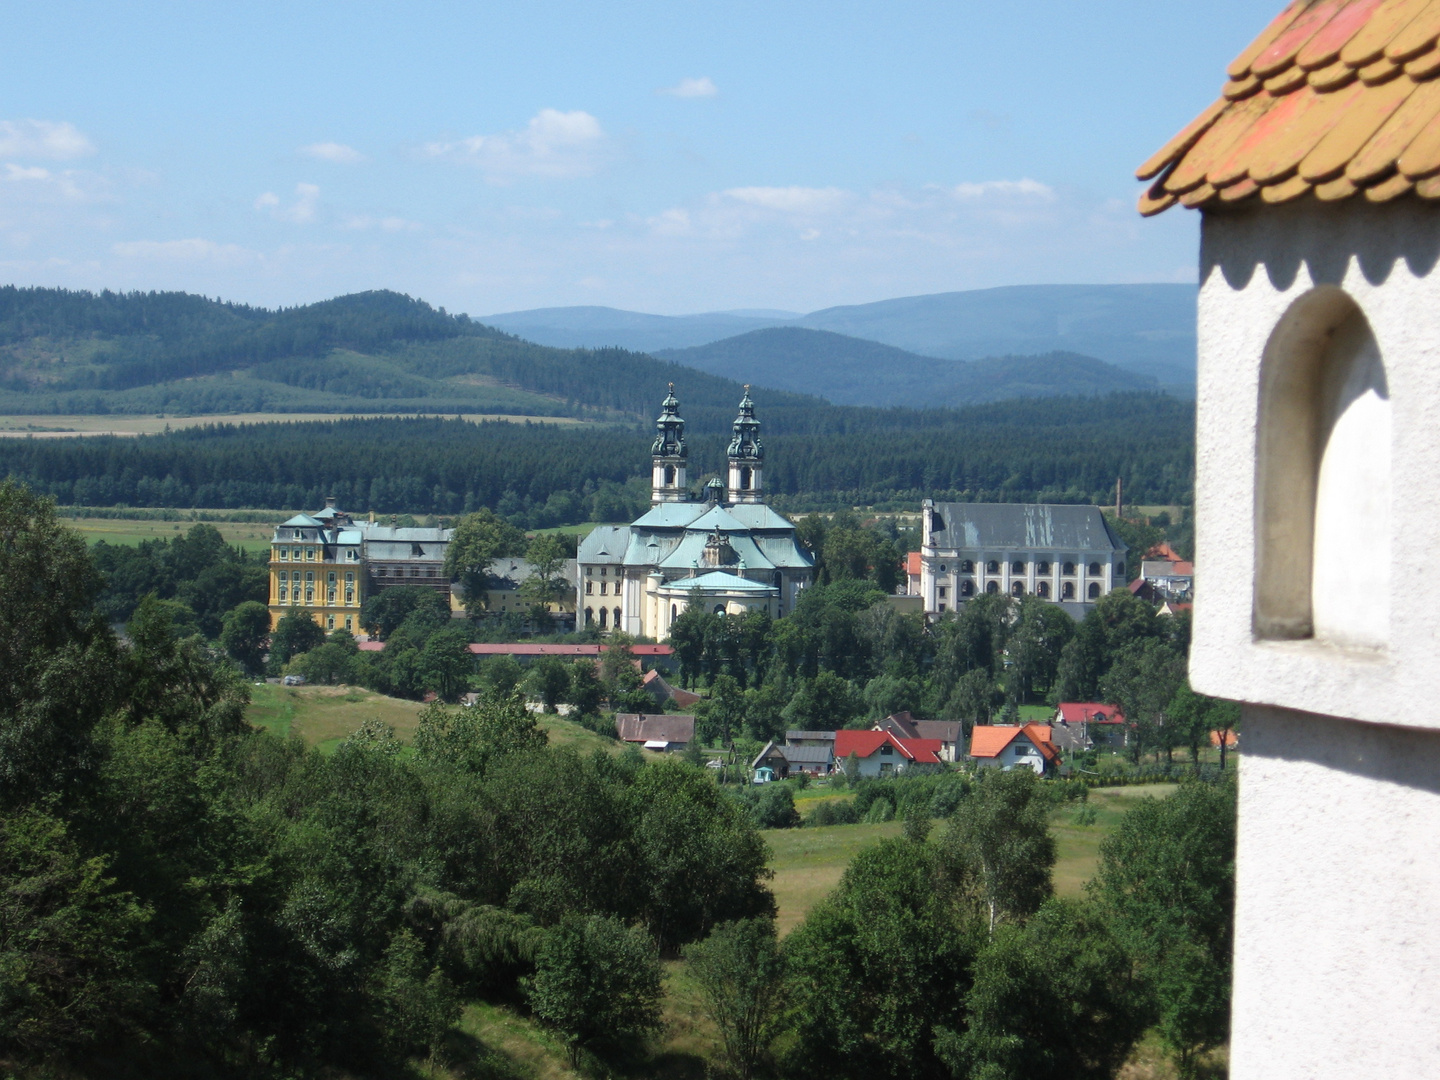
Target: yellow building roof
[(1339, 98)]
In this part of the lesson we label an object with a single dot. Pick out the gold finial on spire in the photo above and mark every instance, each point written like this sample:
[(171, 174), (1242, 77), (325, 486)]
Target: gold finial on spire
[(747, 388), (672, 388)]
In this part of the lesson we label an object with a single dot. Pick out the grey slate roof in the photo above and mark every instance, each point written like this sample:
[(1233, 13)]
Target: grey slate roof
[(795, 736), (605, 544), (638, 727), (669, 515), (808, 755), (1028, 526)]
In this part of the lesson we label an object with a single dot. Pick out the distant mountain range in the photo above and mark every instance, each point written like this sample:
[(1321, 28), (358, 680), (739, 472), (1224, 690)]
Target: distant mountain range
[(1147, 329), (853, 371)]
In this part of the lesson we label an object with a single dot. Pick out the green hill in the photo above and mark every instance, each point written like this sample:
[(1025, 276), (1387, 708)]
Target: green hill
[(65, 352), (854, 371)]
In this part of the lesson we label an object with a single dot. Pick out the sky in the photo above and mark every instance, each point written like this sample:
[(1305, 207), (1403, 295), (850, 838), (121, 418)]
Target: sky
[(668, 157)]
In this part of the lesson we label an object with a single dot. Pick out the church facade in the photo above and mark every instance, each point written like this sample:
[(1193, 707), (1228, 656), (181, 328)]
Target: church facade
[(727, 551)]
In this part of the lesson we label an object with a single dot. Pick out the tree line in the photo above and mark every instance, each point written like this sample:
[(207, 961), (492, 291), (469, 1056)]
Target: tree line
[(542, 475)]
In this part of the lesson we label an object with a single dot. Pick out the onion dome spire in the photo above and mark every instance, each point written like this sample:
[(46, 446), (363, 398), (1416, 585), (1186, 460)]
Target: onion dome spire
[(745, 442), (670, 429)]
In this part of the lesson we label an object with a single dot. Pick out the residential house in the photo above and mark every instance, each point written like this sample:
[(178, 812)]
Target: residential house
[(790, 760), (1165, 576), (1014, 746), (879, 753), (663, 733), (950, 733), (1081, 725), (810, 738)]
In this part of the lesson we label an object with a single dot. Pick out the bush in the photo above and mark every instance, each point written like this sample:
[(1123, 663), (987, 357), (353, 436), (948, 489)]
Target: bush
[(597, 983), (833, 812), (770, 806)]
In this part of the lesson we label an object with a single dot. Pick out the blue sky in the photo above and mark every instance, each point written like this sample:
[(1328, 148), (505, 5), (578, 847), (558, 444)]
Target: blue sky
[(660, 156)]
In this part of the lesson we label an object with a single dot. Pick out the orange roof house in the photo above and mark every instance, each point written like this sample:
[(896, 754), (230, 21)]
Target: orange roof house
[(1009, 746), (1336, 99)]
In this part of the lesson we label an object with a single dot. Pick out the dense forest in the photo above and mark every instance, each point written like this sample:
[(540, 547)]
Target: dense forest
[(1053, 449)]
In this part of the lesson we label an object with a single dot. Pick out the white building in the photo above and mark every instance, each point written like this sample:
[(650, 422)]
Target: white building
[(1066, 554), (729, 550), (1318, 447)]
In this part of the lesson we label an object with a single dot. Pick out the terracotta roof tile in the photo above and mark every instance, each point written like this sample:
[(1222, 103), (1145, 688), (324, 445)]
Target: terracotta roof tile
[(1336, 97)]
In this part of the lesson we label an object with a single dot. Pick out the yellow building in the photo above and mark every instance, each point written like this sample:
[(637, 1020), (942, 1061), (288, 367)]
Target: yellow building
[(317, 562)]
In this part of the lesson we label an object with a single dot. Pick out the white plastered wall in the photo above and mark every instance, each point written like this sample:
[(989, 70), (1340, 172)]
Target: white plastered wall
[(1337, 960), (1254, 265)]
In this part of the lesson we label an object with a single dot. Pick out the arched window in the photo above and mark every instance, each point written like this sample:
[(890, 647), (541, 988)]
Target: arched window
[(1068, 568), (992, 567), (1017, 567), (1322, 483), (1093, 591), (589, 616), (992, 587), (674, 612), (1042, 568), (719, 609), (1017, 588), (669, 475), (617, 618), (1042, 590), (604, 618), (1067, 591), (967, 588), (1120, 571), (745, 478), (966, 566), (1094, 569)]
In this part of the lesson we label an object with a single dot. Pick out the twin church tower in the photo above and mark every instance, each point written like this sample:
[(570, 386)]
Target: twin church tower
[(669, 482), (727, 551)]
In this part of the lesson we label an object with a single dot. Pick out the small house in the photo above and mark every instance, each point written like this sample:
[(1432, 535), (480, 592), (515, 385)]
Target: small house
[(791, 760), (1081, 725), (904, 726), (664, 733), (1012, 746), (879, 753)]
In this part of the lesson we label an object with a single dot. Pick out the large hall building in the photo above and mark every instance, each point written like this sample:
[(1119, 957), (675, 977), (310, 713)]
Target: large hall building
[(1068, 555), (727, 550)]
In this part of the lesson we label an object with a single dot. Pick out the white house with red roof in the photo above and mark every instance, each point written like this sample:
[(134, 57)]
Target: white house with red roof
[(1013, 746), (1079, 725), (879, 753)]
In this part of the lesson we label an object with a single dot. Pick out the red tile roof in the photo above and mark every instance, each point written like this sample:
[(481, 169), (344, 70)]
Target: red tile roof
[(1093, 712), (640, 728), (1338, 98), (865, 743), (528, 649), (912, 563), (1231, 739)]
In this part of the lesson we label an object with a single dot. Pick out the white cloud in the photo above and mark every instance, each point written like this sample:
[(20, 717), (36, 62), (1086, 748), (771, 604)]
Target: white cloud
[(193, 249), (299, 212), (703, 87), (363, 222), (1023, 188), (791, 200), (674, 222), (22, 172), (54, 141), (333, 152), (554, 145)]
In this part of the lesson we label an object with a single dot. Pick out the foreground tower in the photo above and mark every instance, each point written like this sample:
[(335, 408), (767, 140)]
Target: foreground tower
[(1317, 172), (669, 453), (746, 455)]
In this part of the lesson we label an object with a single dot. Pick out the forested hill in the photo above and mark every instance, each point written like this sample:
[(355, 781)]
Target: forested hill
[(853, 371), (63, 351)]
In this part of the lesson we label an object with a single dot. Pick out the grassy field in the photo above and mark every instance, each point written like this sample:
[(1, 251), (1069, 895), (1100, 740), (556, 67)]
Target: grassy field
[(61, 427), (324, 716), (808, 863), (252, 536)]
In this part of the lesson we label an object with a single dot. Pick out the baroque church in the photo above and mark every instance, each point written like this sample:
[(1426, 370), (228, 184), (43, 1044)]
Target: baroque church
[(728, 551)]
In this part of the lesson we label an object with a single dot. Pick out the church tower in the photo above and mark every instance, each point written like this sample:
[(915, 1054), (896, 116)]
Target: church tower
[(668, 454), (746, 455)]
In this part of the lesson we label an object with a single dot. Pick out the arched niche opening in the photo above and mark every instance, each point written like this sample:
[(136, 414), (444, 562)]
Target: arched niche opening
[(1322, 483)]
